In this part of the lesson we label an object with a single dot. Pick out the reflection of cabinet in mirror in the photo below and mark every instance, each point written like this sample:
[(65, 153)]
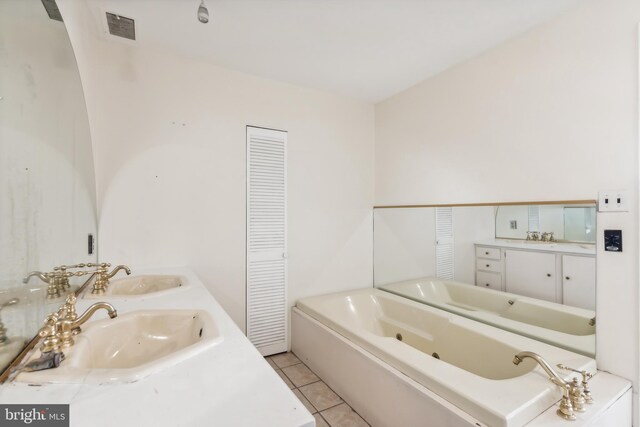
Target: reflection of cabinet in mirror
[(532, 274), (579, 281), (489, 268), (546, 272)]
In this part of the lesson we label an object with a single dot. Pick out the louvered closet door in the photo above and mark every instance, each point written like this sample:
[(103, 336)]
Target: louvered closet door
[(444, 243), (267, 315)]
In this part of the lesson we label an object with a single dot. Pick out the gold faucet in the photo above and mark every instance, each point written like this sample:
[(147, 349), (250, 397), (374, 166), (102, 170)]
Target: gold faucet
[(566, 406), (52, 279), (51, 342), (38, 274), (51, 354), (101, 281), (103, 276), (586, 376), (58, 330), (118, 268), (68, 322), (63, 281)]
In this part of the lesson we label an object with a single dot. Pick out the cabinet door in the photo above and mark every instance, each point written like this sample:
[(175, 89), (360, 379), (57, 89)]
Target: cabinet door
[(531, 274), (579, 281)]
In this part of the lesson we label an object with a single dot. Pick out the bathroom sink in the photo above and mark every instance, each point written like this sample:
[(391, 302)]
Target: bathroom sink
[(141, 285), (131, 347)]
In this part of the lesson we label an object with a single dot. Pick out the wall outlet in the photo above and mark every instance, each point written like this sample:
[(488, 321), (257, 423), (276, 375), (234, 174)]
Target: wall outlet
[(613, 201)]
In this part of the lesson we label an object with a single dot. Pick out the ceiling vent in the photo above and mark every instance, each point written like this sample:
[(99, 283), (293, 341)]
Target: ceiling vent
[(121, 26), (52, 9)]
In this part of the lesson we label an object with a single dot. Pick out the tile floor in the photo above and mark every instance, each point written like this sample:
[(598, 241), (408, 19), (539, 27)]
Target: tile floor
[(326, 406)]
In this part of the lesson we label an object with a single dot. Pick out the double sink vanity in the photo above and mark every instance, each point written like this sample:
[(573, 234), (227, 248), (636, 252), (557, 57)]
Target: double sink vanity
[(156, 348)]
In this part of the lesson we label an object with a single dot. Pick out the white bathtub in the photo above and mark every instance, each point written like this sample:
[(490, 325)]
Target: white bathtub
[(560, 325), (465, 362)]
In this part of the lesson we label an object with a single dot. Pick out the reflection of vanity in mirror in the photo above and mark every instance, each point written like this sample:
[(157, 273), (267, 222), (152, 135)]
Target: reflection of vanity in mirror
[(46, 170), (525, 268)]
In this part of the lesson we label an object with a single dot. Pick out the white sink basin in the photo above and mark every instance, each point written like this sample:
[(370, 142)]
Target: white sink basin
[(136, 286), (130, 347)]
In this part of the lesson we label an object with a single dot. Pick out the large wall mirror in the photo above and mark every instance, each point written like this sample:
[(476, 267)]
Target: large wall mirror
[(48, 202), (499, 265)]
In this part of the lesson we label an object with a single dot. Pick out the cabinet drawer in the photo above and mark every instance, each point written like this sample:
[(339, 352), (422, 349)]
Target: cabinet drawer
[(489, 265), (489, 280), (490, 253)]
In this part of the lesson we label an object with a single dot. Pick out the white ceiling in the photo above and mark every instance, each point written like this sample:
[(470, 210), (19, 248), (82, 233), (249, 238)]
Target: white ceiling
[(367, 49)]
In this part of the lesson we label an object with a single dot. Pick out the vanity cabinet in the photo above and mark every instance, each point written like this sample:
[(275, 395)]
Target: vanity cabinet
[(489, 268), (564, 274), (579, 281), (531, 274)]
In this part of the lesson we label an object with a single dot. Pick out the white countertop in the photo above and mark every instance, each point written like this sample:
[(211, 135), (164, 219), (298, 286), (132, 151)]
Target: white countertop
[(606, 389), (229, 384), (571, 248)]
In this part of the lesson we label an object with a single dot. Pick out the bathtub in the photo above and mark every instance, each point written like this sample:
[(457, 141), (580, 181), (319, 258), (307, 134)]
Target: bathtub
[(466, 363), (560, 325)]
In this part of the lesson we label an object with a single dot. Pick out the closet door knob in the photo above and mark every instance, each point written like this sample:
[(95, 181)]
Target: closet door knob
[(567, 277), (548, 274), (487, 265)]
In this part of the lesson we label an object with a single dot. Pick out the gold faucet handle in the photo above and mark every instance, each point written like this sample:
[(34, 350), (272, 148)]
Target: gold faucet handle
[(51, 275), (47, 331), (50, 342), (67, 267), (586, 376), (100, 265), (50, 320), (87, 272), (70, 307), (58, 274)]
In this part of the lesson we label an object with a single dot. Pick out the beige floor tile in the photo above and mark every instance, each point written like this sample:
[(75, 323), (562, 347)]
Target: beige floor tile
[(285, 359), (304, 401), (271, 363), (320, 422), (300, 375), (285, 379), (343, 416), (320, 395)]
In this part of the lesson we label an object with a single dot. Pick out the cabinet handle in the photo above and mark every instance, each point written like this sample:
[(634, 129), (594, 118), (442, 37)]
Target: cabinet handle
[(567, 277), (487, 284), (548, 274), (487, 265), (486, 253)]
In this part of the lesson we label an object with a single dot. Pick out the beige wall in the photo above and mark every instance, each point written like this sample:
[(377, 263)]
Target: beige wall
[(549, 115), (169, 138)]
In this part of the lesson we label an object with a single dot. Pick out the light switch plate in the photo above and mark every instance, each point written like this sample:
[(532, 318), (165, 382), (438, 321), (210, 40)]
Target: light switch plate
[(613, 201)]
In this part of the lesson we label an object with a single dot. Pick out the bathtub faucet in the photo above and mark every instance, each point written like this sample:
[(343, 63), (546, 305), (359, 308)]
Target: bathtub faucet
[(566, 406)]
